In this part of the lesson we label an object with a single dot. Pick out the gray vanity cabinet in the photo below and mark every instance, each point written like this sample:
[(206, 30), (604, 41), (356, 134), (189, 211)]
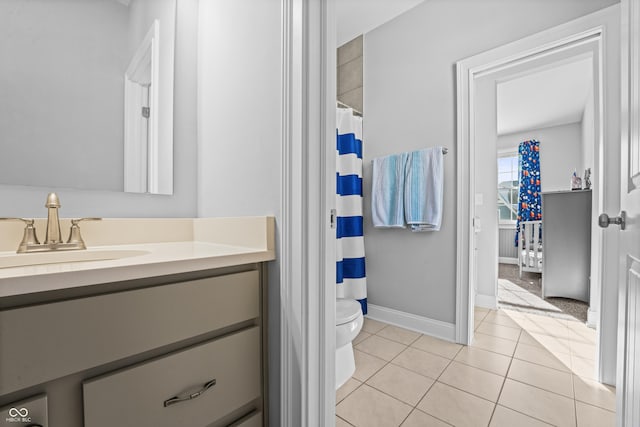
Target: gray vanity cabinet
[(113, 358)]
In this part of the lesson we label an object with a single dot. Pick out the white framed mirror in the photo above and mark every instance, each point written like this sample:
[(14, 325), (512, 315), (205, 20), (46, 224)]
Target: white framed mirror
[(65, 116)]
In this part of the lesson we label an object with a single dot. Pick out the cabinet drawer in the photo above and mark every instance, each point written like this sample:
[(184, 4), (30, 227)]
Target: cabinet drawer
[(49, 341), (136, 396), (253, 421)]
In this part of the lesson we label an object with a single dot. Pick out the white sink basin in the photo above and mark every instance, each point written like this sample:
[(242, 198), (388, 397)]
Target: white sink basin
[(65, 257)]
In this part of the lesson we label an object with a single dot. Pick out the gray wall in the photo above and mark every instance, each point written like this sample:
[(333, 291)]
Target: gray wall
[(28, 201), (239, 136), (409, 76), (350, 79)]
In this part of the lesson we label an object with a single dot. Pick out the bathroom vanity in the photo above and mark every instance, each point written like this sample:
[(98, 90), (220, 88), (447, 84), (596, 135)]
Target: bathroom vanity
[(165, 333)]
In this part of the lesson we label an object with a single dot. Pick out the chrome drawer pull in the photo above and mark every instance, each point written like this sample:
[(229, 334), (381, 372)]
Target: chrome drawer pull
[(184, 398)]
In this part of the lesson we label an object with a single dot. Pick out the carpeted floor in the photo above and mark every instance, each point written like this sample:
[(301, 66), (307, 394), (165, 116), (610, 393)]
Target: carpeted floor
[(526, 295)]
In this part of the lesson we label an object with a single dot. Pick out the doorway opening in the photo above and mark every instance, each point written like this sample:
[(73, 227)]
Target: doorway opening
[(478, 78), (545, 146)]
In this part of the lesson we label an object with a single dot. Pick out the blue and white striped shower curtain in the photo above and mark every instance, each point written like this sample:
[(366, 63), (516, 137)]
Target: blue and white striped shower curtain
[(350, 267)]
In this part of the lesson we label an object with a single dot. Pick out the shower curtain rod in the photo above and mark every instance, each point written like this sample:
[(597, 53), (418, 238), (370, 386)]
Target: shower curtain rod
[(356, 112)]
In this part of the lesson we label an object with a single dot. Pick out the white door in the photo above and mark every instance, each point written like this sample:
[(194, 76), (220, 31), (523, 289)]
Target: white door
[(628, 384)]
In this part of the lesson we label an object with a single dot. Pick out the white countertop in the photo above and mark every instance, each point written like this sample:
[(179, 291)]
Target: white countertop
[(192, 245), (160, 259)]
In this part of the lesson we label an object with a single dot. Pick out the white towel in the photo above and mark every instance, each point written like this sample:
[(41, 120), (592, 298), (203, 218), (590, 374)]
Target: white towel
[(387, 205), (423, 192)]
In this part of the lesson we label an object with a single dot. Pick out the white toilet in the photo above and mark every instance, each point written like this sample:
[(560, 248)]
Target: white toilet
[(349, 321)]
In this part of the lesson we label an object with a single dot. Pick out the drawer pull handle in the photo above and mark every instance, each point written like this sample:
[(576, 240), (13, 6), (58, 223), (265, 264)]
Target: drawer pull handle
[(190, 396)]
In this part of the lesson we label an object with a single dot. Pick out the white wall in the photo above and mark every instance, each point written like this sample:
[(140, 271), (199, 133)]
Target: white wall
[(356, 17), (59, 58), (561, 151), (28, 201), (409, 103), (239, 136)]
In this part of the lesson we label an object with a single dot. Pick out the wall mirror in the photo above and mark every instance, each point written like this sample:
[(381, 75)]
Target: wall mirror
[(86, 94)]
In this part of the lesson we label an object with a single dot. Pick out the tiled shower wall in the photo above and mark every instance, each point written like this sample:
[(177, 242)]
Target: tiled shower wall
[(350, 79)]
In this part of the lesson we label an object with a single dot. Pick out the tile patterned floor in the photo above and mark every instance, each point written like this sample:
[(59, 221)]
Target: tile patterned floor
[(522, 370)]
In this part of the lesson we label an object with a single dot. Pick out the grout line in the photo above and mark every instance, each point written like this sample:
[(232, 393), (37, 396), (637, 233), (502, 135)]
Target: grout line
[(504, 380), (351, 392), (575, 404), (344, 420)]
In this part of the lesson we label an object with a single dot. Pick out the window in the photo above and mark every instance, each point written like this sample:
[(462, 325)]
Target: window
[(508, 182)]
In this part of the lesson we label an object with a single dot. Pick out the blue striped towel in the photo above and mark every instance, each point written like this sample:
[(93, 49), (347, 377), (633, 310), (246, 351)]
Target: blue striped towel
[(387, 206), (423, 191)]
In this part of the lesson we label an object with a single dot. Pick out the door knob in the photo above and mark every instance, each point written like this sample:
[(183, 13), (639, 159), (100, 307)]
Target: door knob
[(604, 220)]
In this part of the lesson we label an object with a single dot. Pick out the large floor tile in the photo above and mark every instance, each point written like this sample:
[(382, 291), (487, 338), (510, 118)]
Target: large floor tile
[(500, 331), (578, 331), (594, 393), (495, 344), (366, 365), (544, 405), (368, 407), (585, 368), (505, 318), (545, 326), (551, 343), (420, 419), (456, 406), (583, 349), (473, 380), (401, 383), (347, 388), (419, 361), (591, 416), (505, 417), (401, 335), (483, 359), (542, 356), (437, 346), (341, 423), (381, 347), (361, 337), (540, 376), (372, 326)]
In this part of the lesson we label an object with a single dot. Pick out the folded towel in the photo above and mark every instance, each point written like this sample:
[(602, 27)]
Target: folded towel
[(387, 206), (423, 191)]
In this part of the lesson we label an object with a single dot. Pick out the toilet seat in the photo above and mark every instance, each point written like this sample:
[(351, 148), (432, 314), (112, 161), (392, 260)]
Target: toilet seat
[(347, 310)]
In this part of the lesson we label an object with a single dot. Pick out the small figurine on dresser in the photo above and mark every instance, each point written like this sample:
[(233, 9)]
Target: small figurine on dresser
[(576, 181), (587, 179)]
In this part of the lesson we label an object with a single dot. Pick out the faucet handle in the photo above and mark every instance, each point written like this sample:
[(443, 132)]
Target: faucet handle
[(29, 237), (26, 221), (74, 232)]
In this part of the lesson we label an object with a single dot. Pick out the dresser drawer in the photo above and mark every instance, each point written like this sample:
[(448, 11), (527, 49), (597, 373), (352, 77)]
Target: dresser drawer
[(137, 396), (49, 341)]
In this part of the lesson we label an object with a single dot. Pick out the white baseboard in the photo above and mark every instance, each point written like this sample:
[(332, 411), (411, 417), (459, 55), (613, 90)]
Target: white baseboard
[(592, 318), (486, 301), (424, 325), (505, 260)]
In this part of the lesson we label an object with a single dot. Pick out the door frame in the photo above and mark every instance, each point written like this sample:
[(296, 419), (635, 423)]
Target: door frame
[(588, 28), (308, 262)]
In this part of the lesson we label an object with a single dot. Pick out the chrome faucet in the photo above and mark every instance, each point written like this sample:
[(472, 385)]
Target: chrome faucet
[(53, 238)]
